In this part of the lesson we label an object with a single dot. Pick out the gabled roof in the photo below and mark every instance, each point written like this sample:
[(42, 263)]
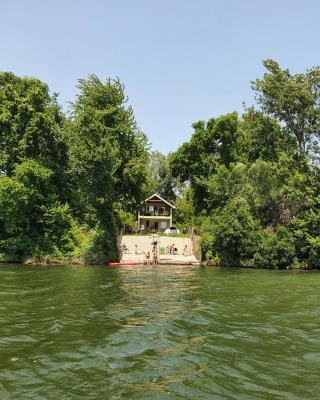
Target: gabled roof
[(160, 198)]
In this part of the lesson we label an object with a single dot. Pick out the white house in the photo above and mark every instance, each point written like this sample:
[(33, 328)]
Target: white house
[(155, 213)]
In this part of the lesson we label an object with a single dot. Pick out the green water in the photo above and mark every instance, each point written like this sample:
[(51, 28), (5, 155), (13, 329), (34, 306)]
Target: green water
[(158, 333)]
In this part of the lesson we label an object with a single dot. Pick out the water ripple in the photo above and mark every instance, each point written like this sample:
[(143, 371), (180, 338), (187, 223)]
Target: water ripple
[(158, 333)]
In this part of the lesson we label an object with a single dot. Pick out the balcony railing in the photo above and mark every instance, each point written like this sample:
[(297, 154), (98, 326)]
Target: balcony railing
[(155, 213)]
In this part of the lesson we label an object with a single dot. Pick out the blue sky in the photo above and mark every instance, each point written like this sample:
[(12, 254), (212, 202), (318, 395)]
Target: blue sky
[(180, 60)]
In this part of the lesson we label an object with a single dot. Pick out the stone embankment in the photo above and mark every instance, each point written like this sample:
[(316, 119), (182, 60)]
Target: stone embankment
[(137, 246)]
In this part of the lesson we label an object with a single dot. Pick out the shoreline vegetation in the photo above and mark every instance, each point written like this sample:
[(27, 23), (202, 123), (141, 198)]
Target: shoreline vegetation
[(248, 184)]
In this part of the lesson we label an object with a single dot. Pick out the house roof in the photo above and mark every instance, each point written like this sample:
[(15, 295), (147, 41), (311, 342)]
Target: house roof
[(160, 198)]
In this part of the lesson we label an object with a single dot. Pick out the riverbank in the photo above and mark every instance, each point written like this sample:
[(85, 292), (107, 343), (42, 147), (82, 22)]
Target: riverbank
[(162, 262), (52, 261)]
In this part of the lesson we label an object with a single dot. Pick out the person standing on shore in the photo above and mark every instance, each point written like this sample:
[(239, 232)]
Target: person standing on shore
[(155, 259), (185, 250)]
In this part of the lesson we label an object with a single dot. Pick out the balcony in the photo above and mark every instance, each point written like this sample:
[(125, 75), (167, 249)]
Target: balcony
[(156, 213)]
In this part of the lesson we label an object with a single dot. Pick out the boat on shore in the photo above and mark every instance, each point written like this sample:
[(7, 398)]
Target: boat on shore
[(124, 264)]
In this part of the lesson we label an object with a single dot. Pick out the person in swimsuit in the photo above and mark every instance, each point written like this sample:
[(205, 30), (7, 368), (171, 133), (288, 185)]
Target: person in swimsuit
[(155, 254)]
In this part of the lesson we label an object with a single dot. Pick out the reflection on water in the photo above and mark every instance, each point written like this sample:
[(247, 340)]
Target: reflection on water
[(158, 333)]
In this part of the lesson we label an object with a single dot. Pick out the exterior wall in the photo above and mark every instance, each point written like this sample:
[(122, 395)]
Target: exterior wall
[(154, 213), (148, 223)]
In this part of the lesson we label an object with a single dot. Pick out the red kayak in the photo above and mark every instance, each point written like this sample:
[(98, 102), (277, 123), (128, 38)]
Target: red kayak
[(127, 264)]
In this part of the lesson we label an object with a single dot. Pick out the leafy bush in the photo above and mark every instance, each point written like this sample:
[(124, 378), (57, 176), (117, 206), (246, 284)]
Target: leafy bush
[(306, 233), (313, 259), (275, 250), (231, 234)]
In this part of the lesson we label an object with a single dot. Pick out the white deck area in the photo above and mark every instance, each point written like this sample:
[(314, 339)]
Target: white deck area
[(138, 245)]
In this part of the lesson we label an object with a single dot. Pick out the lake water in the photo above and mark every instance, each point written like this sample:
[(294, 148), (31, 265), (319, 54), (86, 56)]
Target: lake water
[(164, 332)]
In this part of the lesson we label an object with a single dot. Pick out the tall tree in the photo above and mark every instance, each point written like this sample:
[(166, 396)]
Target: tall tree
[(34, 216), (108, 153), (260, 136), (161, 179), (31, 124), (293, 99), (211, 144)]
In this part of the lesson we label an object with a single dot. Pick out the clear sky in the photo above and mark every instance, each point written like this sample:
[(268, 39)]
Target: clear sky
[(180, 60)]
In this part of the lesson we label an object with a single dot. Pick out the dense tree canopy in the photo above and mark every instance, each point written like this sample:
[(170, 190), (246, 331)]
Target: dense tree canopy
[(107, 155), (160, 177), (249, 184), (64, 180), (253, 180), (31, 124), (108, 152), (211, 145), (293, 100)]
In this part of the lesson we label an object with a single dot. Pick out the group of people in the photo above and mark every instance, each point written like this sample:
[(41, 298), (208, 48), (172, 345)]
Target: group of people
[(124, 248), (152, 257), (172, 249), (154, 253)]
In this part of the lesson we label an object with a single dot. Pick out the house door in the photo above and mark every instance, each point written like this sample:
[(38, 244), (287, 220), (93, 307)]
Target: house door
[(156, 226)]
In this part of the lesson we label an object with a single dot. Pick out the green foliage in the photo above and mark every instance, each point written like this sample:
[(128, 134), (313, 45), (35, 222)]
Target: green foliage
[(31, 124), (259, 137), (13, 205), (211, 144), (223, 185), (32, 221), (103, 247), (249, 183), (313, 259), (306, 231), (254, 180), (125, 219), (37, 179), (185, 209), (231, 234), (275, 250), (108, 157), (60, 179), (58, 223), (292, 99), (161, 180), (108, 153), (278, 190)]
